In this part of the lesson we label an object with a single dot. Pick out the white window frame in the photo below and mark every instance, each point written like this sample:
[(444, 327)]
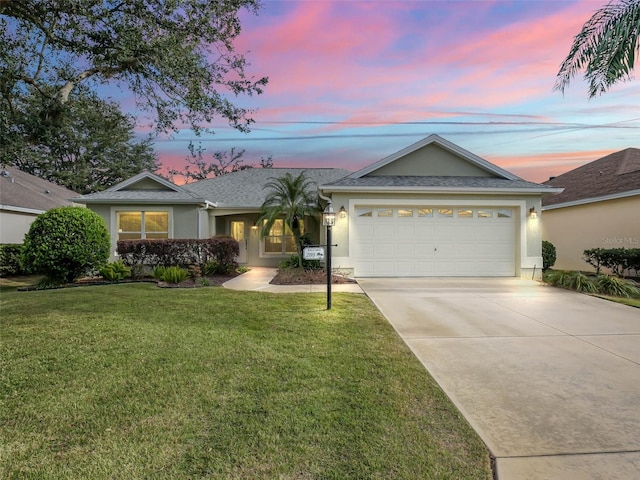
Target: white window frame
[(265, 254), (114, 221)]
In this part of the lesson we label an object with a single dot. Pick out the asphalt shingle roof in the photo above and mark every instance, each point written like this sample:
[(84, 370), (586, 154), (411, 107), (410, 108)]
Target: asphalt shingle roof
[(21, 189), (435, 181), (616, 173), (246, 187), (142, 195)]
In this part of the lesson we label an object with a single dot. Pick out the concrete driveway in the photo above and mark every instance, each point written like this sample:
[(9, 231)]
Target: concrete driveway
[(549, 379)]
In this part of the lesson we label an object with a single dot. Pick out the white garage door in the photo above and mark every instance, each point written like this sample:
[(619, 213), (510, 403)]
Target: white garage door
[(434, 241)]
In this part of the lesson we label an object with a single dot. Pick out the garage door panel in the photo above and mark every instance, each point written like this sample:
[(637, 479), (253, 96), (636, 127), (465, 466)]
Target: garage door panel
[(435, 245)]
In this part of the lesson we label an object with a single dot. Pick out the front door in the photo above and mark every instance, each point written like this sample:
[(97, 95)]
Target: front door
[(238, 232)]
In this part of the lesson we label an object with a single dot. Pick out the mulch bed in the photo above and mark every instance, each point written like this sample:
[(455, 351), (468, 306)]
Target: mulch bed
[(298, 276)]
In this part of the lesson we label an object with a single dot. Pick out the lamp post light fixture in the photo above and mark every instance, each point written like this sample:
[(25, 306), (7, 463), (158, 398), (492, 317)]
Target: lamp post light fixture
[(328, 220)]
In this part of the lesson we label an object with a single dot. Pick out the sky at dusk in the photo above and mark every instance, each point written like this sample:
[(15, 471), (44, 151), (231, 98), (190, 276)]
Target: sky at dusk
[(351, 82)]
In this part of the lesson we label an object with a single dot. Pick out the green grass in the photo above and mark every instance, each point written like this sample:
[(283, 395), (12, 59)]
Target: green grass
[(632, 302), (132, 381)]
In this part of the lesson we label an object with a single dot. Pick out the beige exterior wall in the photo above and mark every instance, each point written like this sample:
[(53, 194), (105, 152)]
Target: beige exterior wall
[(184, 220), (528, 230), (14, 225), (431, 160), (220, 224), (606, 224)]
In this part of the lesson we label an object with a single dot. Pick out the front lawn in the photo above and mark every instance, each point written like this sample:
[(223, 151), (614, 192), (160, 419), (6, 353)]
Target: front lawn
[(132, 381)]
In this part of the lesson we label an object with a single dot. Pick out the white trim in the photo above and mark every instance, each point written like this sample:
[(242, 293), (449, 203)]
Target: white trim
[(457, 190), (113, 227), (584, 201), (447, 145), (11, 208)]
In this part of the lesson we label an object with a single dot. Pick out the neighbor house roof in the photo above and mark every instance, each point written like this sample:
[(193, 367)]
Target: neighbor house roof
[(146, 187), (614, 176), (246, 188), (26, 193)]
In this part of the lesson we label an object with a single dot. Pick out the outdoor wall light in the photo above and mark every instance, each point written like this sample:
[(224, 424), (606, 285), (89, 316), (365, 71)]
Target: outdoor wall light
[(343, 212), (533, 213)]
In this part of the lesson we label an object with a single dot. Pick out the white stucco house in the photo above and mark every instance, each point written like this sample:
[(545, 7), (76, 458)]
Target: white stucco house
[(431, 209), (22, 198)]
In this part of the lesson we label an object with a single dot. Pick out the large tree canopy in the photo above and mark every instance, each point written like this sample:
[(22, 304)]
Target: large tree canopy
[(176, 57), (605, 48), (91, 147)]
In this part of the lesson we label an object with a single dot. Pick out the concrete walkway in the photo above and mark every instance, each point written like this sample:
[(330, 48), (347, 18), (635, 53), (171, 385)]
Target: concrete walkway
[(258, 278), (550, 379)]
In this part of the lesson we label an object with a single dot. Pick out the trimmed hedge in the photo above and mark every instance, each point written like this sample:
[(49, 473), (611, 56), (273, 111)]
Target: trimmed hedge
[(548, 255), (180, 252), (10, 259), (618, 260)]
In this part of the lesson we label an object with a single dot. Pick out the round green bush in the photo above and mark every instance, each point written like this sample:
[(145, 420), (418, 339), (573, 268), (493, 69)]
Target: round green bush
[(66, 242), (548, 255)]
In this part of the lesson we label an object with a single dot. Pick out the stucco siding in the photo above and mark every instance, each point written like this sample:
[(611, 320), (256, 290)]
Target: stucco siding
[(431, 160), (13, 226), (606, 224)]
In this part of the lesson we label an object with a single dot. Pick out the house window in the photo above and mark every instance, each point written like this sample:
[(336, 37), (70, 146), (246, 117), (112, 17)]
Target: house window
[(280, 240), (143, 225)]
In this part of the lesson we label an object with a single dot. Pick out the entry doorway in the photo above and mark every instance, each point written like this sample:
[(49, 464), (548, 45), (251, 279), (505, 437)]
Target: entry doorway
[(239, 233)]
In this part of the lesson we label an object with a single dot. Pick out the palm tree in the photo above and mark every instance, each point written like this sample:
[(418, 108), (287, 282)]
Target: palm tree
[(290, 198), (605, 48)]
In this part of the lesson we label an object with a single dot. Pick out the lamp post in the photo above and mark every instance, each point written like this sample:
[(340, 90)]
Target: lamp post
[(328, 220)]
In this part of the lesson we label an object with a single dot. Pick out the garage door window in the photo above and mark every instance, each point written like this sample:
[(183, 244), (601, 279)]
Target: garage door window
[(405, 212), (385, 212), (464, 213), (425, 212), (485, 213), (504, 213), (445, 213), (364, 212)]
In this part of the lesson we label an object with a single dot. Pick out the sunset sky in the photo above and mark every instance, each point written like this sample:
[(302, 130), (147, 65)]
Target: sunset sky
[(351, 82)]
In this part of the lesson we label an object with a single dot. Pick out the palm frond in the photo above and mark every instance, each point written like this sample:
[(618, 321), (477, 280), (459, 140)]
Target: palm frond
[(605, 48)]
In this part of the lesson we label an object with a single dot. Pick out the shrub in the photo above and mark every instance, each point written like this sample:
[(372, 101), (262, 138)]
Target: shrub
[(10, 259), (580, 282), (115, 271), (182, 252), (293, 262), (174, 275), (616, 287), (548, 255), (66, 242), (618, 260), (158, 272)]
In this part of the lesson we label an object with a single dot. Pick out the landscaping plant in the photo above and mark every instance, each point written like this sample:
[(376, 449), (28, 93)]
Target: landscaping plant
[(548, 255), (616, 287), (174, 275), (115, 271), (65, 243)]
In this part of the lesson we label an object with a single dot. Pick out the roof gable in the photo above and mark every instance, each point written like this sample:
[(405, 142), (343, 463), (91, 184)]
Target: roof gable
[(146, 187), (145, 181), (434, 156), (614, 175)]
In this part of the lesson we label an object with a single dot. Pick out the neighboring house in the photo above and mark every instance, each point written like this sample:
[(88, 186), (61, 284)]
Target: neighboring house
[(432, 209), (599, 208), (22, 198)]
